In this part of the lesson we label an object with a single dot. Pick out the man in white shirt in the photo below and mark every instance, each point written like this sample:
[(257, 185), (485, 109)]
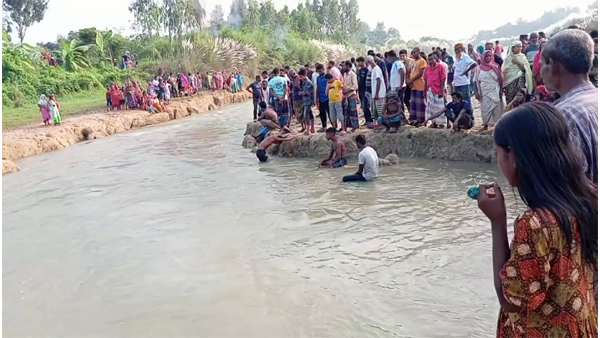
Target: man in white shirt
[(463, 64), (397, 76), (377, 89), (368, 163)]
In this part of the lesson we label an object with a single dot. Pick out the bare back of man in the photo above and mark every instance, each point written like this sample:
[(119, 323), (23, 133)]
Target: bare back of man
[(261, 152), (337, 156)]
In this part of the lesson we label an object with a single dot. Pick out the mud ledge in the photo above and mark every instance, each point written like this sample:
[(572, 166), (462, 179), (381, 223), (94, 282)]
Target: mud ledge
[(409, 141), (19, 143)]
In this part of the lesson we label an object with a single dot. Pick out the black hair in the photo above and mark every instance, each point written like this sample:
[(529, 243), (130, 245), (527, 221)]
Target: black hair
[(330, 130), (331, 63), (320, 66), (379, 55), (550, 171), (403, 51), (286, 67), (360, 59), (328, 76), (281, 69), (497, 41), (307, 66), (265, 72), (386, 54), (457, 95), (275, 71), (258, 77), (392, 54), (352, 60), (263, 104), (302, 72), (594, 34), (360, 139), (371, 52), (348, 64)]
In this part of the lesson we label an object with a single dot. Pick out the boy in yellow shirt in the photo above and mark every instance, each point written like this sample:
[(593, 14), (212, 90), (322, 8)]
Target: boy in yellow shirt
[(336, 109)]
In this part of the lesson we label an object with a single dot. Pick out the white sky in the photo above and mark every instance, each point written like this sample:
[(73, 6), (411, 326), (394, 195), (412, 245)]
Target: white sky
[(443, 19)]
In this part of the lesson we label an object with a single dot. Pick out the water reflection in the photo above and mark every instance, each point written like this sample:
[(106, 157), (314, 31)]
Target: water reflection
[(176, 230)]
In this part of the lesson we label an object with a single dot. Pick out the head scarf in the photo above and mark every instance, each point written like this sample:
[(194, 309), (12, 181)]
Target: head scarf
[(480, 49), (512, 72), (485, 66), (536, 59), (42, 101)]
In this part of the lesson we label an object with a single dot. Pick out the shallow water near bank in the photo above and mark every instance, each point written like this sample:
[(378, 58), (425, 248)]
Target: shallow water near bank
[(176, 230)]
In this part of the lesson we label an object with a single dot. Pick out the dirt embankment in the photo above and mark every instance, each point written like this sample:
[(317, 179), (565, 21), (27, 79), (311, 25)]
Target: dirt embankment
[(410, 141), (19, 143)]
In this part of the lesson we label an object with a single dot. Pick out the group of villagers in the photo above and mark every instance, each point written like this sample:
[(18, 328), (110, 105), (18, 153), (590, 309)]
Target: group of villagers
[(408, 88), (545, 273)]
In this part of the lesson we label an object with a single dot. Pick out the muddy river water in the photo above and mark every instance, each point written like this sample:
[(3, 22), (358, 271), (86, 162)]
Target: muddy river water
[(177, 231)]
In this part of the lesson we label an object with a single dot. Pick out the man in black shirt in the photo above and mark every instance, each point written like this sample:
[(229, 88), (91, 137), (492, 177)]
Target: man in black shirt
[(362, 74)]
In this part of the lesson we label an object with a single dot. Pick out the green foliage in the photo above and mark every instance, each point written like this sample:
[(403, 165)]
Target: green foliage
[(24, 13)]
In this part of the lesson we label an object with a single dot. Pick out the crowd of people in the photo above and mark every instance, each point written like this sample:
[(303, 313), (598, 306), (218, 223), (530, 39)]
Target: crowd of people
[(546, 279), (402, 88)]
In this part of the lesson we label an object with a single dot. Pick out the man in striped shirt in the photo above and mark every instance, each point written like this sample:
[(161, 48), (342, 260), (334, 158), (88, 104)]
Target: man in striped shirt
[(566, 61)]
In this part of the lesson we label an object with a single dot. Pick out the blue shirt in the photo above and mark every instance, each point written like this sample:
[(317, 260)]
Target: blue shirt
[(460, 66), (456, 108), (322, 85), (308, 87), (255, 89), (278, 84)]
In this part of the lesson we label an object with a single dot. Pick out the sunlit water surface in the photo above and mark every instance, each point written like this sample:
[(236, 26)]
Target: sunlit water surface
[(177, 231)]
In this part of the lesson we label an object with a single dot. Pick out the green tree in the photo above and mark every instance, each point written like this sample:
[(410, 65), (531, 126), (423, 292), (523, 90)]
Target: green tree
[(147, 16), (268, 13), (217, 17), (24, 13), (103, 42), (252, 19), (199, 14), (179, 17), (73, 56)]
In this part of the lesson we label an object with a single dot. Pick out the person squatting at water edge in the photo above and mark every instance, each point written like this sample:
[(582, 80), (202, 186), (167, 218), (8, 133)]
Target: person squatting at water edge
[(544, 280), (368, 162)]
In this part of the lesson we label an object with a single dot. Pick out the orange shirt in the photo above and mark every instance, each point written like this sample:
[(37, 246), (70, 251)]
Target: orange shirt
[(416, 67)]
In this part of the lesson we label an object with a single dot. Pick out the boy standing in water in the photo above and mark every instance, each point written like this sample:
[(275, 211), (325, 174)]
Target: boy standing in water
[(308, 98), (338, 148)]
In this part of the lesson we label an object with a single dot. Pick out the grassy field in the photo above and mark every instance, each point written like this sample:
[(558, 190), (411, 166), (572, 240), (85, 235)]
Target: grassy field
[(76, 104)]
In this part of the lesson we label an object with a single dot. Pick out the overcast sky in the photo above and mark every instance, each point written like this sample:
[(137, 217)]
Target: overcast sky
[(443, 19)]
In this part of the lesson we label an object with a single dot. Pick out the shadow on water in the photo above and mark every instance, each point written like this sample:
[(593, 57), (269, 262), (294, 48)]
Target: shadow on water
[(175, 230)]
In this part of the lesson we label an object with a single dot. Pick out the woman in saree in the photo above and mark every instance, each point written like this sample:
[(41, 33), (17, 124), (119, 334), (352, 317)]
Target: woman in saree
[(219, 81), (138, 94), (115, 96), (54, 108), (132, 101), (516, 72), (185, 84), (537, 66), (489, 90), (43, 104)]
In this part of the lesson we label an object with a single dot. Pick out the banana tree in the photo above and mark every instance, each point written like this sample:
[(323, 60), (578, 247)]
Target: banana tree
[(72, 56), (103, 41)]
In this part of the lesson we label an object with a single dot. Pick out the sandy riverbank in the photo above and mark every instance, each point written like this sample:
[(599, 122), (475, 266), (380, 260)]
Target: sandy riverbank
[(409, 141), (33, 140)]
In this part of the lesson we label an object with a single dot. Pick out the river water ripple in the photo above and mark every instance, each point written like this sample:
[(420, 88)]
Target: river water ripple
[(177, 231)]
